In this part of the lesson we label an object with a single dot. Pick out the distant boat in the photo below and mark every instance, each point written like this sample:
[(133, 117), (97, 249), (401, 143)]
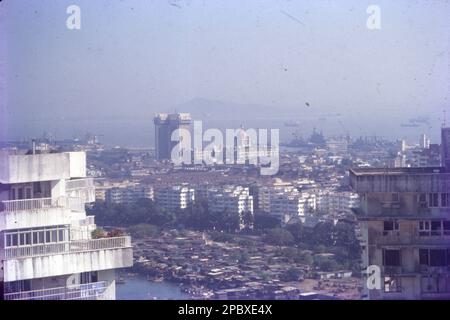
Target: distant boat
[(155, 279), (292, 123), (410, 125), (419, 120)]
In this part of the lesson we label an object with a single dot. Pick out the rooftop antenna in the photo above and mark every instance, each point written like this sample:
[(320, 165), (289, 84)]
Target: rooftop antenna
[(445, 118)]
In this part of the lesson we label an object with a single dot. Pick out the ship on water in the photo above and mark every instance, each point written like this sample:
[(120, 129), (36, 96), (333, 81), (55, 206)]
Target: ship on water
[(292, 123)]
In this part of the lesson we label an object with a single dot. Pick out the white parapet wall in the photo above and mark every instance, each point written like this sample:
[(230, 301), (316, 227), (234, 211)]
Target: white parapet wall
[(66, 263), (34, 219), (42, 167)]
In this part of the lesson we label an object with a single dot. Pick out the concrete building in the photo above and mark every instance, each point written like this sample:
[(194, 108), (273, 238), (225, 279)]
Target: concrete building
[(424, 142), (429, 157), (165, 125), (128, 195), (231, 199), (445, 147), (285, 202), (405, 226), (46, 248), (174, 197), (331, 202)]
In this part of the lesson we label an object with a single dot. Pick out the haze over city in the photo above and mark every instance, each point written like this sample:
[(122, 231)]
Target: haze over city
[(131, 59), (245, 152)]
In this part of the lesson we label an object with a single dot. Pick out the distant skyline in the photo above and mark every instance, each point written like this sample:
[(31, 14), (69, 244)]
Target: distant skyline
[(134, 58)]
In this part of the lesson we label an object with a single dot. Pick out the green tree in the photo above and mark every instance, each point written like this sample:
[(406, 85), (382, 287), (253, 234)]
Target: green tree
[(265, 221), (279, 236), (143, 230)]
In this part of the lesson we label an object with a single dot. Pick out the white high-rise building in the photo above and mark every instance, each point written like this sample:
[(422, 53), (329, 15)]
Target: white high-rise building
[(424, 142), (46, 247)]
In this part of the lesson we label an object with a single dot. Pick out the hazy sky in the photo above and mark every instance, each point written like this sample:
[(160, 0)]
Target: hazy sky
[(134, 58)]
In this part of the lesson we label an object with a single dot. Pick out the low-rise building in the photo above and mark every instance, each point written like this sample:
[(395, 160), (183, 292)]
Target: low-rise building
[(128, 195), (174, 197), (231, 199)]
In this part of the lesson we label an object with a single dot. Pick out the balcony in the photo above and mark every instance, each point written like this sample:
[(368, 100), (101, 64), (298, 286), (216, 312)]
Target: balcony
[(48, 260), (393, 210), (67, 247), (72, 203), (81, 188), (29, 205), (412, 238), (88, 291), (32, 213)]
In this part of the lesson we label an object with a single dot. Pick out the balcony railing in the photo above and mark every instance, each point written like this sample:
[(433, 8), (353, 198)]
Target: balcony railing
[(67, 247), (88, 291), (28, 204), (73, 203)]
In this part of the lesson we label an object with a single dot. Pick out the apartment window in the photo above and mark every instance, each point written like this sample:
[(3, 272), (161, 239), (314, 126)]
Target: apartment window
[(36, 237), (392, 284), (424, 259), (17, 286), (436, 228), (390, 226), (434, 257), (433, 200), (395, 197), (391, 258), (444, 199), (423, 200), (424, 228), (438, 258), (88, 277), (446, 227)]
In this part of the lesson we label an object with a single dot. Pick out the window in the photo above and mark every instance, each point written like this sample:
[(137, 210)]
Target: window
[(438, 257), (433, 200), (392, 284), (428, 284), (391, 258), (17, 286), (424, 257), (390, 226), (36, 237), (445, 200), (395, 197), (434, 257), (436, 228), (28, 239), (422, 197), (446, 227), (424, 228)]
